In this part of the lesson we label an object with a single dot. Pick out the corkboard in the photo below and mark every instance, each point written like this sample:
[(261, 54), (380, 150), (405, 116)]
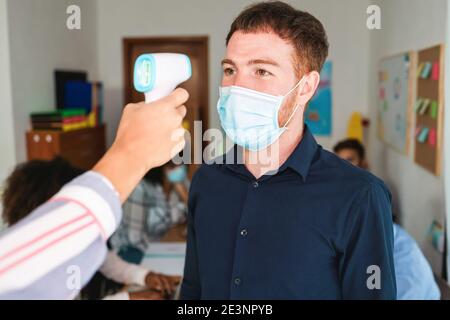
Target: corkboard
[(428, 154)]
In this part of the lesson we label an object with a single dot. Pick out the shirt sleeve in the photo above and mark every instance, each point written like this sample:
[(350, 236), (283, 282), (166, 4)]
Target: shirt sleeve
[(367, 265), (415, 279), (56, 249), (190, 287), (114, 268)]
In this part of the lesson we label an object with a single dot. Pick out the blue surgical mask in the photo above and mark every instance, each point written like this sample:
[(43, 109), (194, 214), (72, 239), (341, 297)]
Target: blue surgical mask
[(177, 174), (250, 118)]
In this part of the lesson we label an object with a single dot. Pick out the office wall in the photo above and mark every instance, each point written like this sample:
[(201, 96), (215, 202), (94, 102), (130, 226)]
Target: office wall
[(40, 42), (345, 24), (7, 146), (7, 159), (419, 195)]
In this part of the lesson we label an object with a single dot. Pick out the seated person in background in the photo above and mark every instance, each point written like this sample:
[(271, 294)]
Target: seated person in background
[(155, 205), (33, 183), (414, 277)]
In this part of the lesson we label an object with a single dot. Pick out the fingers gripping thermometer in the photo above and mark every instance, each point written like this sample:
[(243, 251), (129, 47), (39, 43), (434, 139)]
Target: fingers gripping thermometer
[(158, 74)]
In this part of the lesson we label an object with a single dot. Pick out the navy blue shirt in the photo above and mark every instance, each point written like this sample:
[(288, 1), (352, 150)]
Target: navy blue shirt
[(319, 228)]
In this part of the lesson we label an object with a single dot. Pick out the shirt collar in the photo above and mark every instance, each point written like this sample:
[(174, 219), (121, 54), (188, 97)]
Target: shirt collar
[(300, 160), (303, 155)]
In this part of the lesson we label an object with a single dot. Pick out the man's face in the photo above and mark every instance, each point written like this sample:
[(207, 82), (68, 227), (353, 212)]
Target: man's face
[(351, 156), (262, 62)]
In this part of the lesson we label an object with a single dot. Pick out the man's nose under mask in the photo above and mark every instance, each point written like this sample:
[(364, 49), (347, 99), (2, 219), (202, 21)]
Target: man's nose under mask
[(250, 118)]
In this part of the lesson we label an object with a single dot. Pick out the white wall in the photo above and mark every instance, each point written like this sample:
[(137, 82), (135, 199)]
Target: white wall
[(7, 146), (39, 43), (408, 25), (345, 24)]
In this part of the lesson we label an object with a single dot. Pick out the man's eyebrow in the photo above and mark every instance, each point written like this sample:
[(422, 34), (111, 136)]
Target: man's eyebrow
[(228, 61), (264, 61)]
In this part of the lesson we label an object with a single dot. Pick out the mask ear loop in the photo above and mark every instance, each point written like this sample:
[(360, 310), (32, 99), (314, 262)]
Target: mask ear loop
[(298, 83), (292, 114), (296, 107)]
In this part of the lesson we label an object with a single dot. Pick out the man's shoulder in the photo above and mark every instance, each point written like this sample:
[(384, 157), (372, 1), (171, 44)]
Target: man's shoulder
[(343, 172)]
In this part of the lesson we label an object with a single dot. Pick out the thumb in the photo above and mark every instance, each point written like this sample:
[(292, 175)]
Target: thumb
[(178, 97)]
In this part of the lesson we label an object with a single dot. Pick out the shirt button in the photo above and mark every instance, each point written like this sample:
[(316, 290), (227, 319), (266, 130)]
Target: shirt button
[(237, 281), (244, 232), (255, 184)]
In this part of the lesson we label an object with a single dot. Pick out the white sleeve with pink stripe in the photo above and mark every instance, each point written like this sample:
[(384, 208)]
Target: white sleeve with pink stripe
[(86, 209)]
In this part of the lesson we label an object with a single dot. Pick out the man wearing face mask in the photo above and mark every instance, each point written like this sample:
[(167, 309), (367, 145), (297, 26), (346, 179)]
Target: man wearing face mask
[(288, 220)]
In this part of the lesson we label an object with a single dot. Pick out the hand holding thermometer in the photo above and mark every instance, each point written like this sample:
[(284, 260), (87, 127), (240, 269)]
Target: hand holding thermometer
[(158, 74)]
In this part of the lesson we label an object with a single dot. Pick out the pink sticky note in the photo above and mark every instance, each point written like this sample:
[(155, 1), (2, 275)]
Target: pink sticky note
[(432, 137), (382, 93), (435, 71), (418, 130)]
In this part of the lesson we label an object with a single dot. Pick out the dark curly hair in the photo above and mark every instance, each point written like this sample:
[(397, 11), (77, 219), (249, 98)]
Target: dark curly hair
[(32, 183)]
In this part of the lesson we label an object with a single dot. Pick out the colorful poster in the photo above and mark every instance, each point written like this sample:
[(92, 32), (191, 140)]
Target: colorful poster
[(318, 113)]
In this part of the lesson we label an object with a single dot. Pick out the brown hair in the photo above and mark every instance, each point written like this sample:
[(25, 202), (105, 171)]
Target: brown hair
[(32, 183), (303, 30)]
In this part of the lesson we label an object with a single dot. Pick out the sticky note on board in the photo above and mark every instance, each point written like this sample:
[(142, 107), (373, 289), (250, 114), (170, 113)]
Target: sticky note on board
[(418, 105), (436, 236), (432, 137), (420, 68), (425, 106), (423, 135), (434, 109), (435, 71), (382, 93), (426, 70), (418, 130)]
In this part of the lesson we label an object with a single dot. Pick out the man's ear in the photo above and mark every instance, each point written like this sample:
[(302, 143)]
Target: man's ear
[(311, 80)]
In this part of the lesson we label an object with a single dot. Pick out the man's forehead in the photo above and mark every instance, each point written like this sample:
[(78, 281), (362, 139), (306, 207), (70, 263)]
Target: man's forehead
[(244, 48)]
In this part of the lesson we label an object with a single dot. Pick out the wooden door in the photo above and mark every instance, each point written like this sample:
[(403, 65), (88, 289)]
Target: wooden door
[(197, 86)]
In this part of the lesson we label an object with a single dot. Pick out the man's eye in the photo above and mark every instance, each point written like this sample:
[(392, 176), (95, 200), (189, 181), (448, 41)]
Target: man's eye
[(228, 71), (262, 73)]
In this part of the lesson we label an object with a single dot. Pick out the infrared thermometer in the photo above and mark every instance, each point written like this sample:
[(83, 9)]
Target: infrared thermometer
[(158, 74)]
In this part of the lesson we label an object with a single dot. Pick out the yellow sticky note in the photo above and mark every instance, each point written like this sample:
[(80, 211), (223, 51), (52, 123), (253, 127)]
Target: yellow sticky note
[(420, 68)]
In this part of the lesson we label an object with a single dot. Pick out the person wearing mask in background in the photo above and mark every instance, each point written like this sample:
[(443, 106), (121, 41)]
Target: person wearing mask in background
[(55, 250), (415, 280), (33, 183), (155, 205)]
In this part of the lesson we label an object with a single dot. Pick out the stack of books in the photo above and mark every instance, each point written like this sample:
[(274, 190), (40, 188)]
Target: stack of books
[(62, 120), (85, 95)]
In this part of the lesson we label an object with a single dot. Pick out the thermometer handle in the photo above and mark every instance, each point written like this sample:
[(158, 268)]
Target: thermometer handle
[(158, 93)]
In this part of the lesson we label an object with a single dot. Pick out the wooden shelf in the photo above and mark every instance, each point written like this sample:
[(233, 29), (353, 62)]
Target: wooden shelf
[(82, 148)]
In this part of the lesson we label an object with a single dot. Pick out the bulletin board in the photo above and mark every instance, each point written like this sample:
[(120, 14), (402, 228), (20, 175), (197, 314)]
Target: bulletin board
[(395, 99), (428, 108)]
